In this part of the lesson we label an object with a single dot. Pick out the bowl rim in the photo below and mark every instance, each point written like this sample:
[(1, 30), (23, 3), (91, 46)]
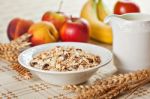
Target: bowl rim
[(64, 72)]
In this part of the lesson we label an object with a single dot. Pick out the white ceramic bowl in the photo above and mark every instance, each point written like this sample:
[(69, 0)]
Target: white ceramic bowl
[(69, 77)]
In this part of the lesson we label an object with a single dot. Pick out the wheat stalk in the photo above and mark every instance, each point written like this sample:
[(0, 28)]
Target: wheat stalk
[(105, 88), (14, 47), (83, 88), (23, 38), (122, 88), (113, 81), (10, 52), (11, 56), (124, 78), (97, 90), (111, 92), (21, 70)]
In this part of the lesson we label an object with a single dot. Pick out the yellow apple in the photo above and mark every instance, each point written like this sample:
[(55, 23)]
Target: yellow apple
[(43, 32)]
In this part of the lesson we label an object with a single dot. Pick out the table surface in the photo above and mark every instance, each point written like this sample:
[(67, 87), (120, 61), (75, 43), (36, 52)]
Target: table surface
[(14, 86)]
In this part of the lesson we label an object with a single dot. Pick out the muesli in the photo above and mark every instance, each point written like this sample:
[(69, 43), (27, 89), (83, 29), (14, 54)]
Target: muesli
[(64, 58)]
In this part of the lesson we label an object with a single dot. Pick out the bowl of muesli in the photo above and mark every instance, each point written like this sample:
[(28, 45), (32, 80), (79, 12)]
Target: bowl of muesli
[(65, 62)]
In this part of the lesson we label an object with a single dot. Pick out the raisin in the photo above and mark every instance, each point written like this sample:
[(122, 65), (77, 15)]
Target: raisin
[(33, 63), (45, 67)]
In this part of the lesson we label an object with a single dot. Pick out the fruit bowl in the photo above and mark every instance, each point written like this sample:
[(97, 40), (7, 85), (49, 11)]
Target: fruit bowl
[(67, 77)]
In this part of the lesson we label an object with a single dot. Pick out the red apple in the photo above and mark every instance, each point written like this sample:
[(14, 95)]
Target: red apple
[(122, 7), (75, 30), (57, 18), (17, 27)]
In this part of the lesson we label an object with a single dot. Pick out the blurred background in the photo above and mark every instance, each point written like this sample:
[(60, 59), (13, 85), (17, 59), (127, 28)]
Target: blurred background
[(34, 9)]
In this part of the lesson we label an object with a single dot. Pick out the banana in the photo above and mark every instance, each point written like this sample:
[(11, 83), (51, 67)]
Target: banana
[(99, 30), (102, 12)]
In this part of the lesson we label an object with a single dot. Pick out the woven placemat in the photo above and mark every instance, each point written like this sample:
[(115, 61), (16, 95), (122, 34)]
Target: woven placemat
[(14, 86)]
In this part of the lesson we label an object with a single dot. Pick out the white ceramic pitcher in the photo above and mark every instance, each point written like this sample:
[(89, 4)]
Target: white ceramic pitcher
[(131, 41)]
